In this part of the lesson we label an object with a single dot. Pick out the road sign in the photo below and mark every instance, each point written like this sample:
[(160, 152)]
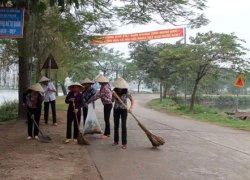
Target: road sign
[(50, 63), (239, 82), (11, 22)]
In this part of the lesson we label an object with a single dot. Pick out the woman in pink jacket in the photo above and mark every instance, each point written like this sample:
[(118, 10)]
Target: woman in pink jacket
[(105, 94)]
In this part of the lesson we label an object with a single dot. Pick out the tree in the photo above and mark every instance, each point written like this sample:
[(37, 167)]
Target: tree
[(109, 61), (98, 11), (132, 72), (175, 12), (8, 57), (159, 61), (35, 8), (208, 50)]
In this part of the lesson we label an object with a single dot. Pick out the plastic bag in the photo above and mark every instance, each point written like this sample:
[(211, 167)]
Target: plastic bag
[(92, 125)]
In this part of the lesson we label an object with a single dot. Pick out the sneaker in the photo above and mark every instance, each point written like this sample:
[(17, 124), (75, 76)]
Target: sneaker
[(36, 137), (29, 137), (55, 124), (75, 141), (67, 141)]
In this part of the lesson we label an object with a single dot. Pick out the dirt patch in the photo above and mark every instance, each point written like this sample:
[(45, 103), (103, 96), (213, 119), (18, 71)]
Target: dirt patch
[(22, 159)]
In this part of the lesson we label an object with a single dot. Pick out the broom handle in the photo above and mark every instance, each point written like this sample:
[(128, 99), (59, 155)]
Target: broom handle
[(34, 121), (119, 99), (76, 116)]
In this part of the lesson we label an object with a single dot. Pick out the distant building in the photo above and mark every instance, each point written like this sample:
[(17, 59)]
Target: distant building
[(9, 77)]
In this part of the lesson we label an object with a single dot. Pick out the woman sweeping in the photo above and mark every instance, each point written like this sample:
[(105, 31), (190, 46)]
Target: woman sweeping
[(32, 101), (105, 94), (74, 99), (120, 111)]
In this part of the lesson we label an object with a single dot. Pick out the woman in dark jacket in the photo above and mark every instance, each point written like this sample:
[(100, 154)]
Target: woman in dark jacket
[(32, 101), (75, 101), (120, 111)]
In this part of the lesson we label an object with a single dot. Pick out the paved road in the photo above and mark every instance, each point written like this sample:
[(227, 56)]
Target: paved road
[(193, 150)]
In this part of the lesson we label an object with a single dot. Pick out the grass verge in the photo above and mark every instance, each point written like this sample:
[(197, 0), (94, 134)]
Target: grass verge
[(60, 103), (201, 113)]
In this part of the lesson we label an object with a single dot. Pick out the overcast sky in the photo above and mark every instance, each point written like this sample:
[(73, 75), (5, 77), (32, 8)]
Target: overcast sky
[(225, 16)]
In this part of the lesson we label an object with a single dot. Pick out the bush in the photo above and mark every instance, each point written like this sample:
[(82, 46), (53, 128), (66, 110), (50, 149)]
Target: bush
[(9, 111)]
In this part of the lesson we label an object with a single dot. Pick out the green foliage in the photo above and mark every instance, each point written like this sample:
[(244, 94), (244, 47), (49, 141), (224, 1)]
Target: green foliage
[(109, 61), (173, 12), (60, 103), (200, 113), (61, 107), (9, 111)]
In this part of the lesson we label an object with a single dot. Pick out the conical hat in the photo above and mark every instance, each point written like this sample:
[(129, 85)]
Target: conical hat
[(36, 87), (101, 79), (87, 81), (75, 84), (120, 83), (44, 79)]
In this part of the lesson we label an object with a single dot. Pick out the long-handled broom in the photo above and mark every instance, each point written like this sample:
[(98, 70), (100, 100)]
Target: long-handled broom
[(43, 138), (155, 140), (80, 138)]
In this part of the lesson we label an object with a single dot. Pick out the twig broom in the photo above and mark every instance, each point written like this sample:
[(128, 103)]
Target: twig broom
[(80, 138), (155, 140)]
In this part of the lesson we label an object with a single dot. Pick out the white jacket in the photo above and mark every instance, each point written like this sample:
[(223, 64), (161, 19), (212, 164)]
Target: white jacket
[(49, 94)]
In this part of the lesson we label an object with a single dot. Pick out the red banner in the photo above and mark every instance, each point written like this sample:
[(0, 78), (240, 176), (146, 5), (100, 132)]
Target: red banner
[(160, 34)]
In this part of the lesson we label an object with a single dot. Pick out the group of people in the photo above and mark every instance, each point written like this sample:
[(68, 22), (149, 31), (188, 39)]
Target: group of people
[(80, 95)]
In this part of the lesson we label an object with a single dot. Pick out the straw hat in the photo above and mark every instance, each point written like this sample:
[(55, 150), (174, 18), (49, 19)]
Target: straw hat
[(43, 79), (101, 79), (75, 84), (36, 87), (87, 81), (120, 83)]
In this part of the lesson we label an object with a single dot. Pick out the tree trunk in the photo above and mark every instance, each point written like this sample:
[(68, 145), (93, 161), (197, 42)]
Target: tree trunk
[(63, 89), (139, 84), (23, 82), (160, 92), (24, 78), (56, 84), (165, 91), (4, 77), (193, 96), (116, 74)]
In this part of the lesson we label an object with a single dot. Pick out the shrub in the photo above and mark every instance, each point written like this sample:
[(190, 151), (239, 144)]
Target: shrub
[(9, 111)]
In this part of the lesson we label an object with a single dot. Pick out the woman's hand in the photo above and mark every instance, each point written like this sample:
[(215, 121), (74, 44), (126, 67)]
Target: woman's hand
[(130, 109), (75, 110), (71, 99)]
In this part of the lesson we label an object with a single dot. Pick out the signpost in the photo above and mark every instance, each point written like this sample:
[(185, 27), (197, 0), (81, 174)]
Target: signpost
[(11, 22), (239, 82), (49, 64)]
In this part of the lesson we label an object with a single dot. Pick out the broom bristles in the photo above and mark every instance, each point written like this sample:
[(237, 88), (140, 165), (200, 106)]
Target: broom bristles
[(81, 140), (155, 140)]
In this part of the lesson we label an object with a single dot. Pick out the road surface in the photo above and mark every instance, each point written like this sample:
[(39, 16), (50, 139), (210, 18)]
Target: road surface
[(193, 149)]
